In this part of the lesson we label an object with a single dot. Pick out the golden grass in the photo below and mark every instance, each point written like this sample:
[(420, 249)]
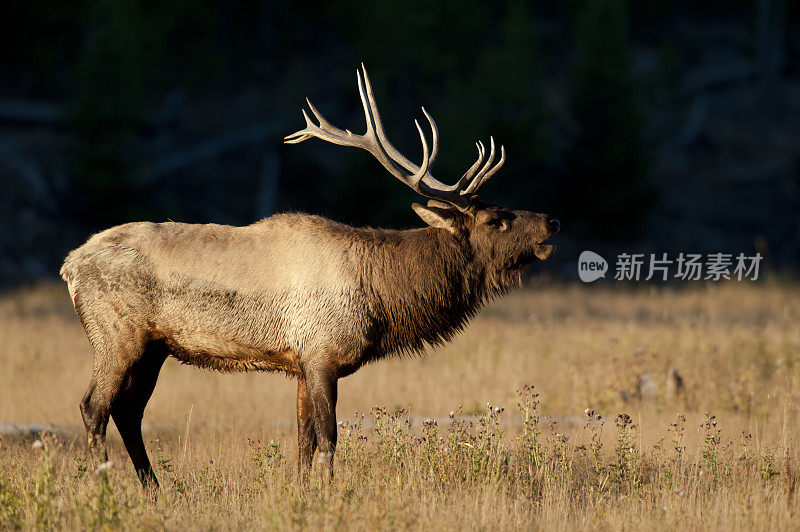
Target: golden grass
[(736, 346)]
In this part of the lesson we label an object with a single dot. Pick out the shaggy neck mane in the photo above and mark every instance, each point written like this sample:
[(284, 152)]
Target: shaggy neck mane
[(424, 285)]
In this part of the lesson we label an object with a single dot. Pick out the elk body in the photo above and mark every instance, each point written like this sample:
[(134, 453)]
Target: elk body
[(295, 293)]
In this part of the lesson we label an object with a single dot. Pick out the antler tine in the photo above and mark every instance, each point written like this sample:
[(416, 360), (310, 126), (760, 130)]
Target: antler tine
[(325, 131), (375, 137), (485, 177), (478, 179), (472, 169), (303, 134), (427, 159), (323, 124), (434, 136), (375, 129), (370, 117), (375, 125)]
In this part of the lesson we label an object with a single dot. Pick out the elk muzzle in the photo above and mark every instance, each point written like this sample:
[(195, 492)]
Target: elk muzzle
[(544, 251)]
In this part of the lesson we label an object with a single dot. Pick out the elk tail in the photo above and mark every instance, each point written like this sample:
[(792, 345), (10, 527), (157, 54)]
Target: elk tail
[(68, 274)]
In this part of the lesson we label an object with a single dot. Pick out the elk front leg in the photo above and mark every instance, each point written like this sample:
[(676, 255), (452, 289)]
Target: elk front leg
[(323, 390), (316, 420)]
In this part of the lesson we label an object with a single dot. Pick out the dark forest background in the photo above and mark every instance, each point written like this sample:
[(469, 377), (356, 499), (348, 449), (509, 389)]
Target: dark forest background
[(658, 126)]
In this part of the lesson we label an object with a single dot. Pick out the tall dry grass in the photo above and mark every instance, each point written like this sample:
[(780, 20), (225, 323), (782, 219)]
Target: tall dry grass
[(600, 441)]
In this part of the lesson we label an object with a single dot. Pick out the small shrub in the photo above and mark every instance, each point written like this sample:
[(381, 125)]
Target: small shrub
[(103, 510), (626, 454), (164, 463), (528, 405), (11, 502), (594, 426), (269, 461), (42, 493), (709, 449)]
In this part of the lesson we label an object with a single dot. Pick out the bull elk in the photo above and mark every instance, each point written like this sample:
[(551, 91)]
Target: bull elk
[(295, 293)]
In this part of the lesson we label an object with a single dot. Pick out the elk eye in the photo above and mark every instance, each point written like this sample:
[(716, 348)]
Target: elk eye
[(498, 223)]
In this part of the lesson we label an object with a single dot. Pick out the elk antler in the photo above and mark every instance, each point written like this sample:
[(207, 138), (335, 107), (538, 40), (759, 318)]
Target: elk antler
[(375, 141)]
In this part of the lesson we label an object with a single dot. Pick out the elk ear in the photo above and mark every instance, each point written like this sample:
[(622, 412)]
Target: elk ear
[(436, 217)]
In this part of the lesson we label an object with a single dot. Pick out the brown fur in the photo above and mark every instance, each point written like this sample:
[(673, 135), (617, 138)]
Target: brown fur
[(294, 293)]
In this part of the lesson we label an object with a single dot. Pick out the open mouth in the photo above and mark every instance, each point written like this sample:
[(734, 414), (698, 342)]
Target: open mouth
[(540, 251), (544, 251)]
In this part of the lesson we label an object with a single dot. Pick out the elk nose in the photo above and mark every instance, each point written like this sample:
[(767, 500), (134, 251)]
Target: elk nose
[(554, 224)]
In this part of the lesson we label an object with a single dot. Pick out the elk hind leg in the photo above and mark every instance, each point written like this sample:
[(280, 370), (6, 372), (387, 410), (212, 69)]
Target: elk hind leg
[(113, 357), (128, 406), (95, 418)]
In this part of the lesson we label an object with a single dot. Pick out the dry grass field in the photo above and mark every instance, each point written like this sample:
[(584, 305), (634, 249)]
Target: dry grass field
[(722, 451)]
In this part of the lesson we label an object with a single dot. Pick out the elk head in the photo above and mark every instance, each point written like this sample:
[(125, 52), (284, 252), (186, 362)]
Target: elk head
[(507, 239)]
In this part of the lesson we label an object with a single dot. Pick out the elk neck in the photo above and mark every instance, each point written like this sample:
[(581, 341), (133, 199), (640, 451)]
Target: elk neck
[(423, 285)]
